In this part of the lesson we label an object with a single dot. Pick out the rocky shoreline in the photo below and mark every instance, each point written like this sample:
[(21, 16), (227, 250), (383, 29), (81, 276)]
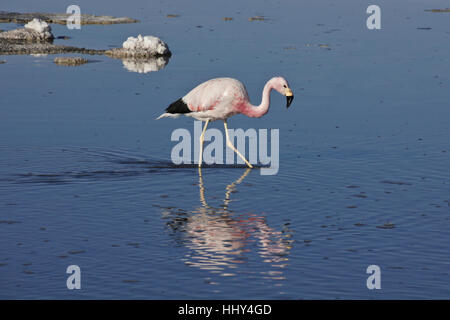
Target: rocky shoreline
[(13, 47), (61, 18)]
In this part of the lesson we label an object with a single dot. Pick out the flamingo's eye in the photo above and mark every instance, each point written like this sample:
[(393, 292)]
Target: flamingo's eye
[(285, 86)]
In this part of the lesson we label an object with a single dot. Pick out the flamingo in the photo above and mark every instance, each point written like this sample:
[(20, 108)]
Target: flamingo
[(221, 98)]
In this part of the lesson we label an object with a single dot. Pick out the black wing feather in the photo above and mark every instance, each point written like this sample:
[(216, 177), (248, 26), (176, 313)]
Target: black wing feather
[(178, 106)]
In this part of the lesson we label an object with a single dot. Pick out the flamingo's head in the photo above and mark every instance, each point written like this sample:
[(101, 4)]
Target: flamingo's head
[(282, 86)]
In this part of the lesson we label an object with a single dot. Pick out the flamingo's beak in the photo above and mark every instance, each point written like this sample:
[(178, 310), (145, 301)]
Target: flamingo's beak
[(289, 97)]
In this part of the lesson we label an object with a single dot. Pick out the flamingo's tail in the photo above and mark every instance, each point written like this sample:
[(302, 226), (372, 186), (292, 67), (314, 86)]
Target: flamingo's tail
[(168, 115)]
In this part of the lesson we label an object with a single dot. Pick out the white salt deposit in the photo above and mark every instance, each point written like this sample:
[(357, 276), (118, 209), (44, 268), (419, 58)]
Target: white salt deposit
[(148, 43), (38, 25), (35, 30)]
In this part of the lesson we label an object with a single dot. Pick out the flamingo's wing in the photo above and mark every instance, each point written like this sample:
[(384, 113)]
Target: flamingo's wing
[(205, 96), (214, 94)]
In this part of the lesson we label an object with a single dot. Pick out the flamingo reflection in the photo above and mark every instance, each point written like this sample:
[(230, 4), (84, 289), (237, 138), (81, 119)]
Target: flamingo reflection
[(221, 239)]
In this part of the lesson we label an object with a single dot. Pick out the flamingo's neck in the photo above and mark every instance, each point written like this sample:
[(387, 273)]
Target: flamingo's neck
[(259, 111)]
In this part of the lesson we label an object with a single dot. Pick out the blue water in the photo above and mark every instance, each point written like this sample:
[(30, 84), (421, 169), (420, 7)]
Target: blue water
[(86, 176)]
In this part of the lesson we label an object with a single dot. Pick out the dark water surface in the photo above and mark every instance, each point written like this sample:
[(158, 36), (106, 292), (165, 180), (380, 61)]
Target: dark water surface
[(86, 176)]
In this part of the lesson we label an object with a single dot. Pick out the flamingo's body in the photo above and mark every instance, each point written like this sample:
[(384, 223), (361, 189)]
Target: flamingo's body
[(221, 98)]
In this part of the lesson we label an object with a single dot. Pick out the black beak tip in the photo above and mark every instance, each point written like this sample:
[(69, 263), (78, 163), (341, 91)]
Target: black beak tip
[(289, 101)]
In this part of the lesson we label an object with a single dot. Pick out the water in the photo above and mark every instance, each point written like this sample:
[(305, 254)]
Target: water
[(86, 176)]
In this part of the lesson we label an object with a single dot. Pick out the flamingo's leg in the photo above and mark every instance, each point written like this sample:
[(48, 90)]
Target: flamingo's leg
[(230, 145), (202, 136)]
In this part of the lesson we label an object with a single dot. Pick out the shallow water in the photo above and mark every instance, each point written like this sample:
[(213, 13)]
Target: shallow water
[(86, 176)]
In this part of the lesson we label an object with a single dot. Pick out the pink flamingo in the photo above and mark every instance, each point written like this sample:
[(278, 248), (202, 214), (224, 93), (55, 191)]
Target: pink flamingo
[(221, 98)]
